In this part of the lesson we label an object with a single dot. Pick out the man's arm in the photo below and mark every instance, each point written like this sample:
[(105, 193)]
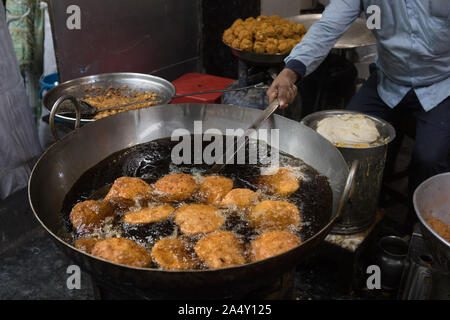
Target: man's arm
[(313, 49)]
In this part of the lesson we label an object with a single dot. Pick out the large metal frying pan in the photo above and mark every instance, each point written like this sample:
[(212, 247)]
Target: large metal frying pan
[(65, 161), (77, 88), (357, 35), (432, 199)]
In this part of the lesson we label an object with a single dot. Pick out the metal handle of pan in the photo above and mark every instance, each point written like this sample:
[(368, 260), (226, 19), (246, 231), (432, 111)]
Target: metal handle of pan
[(55, 109), (349, 187)]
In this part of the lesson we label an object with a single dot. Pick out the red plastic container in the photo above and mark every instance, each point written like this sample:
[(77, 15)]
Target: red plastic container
[(194, 82)]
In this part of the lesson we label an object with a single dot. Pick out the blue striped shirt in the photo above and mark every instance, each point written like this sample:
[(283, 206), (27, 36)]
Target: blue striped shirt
[(413, 45)]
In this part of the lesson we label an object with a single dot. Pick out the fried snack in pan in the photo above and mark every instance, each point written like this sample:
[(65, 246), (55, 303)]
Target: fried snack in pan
[(220, 249), (88, 215), (213, 189), (246, 45), (283, 182), (85, 244), (237, 29), (195, 219), (440, 227), (175, 187), (236, 43), (259, 47), (240, 198), (122, 251), (244, 35), (155, 221), (228, 36), (272, 243), (173, 254), (128, 191), (284, 47), (274, 215)]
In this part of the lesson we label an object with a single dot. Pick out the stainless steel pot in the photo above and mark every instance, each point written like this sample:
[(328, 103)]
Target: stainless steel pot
[(65, 161), (432, 199), (361, 210)]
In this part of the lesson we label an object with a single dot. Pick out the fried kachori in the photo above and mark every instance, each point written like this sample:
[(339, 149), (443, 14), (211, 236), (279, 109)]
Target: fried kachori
[(213, 188), (220, 249), (274, 215), (175, 187), (195, 219), (129, 191), (283, 182), (173, 254), (272, 243), (88, 215), (122, 251), (240, 198)]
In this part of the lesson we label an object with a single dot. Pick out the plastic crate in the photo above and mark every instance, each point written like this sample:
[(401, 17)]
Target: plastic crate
[(195, 82)]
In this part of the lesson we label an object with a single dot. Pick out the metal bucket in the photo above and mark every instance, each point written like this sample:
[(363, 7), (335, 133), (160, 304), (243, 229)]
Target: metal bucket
[(360, 211), (432, 199)]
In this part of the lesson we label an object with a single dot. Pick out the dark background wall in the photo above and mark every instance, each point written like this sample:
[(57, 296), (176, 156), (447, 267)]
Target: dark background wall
[(218, 16), (160, 37), (166, 38)]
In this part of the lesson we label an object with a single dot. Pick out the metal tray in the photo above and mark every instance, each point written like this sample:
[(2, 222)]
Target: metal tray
[(357, 35)]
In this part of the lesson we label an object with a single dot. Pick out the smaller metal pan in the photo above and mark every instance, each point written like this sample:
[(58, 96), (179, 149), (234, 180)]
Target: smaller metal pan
[(77, 88)]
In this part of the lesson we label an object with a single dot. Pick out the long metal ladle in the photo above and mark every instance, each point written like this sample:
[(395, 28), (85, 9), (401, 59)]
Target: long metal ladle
[(89, 110)]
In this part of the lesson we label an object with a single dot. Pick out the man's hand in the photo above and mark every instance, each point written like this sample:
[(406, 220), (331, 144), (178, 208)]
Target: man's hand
[(283, 88)]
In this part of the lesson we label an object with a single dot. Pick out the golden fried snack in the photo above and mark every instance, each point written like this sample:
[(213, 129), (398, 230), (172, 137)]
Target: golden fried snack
[(237, 29), (284, 182), (100, 98), (122, 251), (300, 29), (228, 36), (236, 43), (271, 49), (274, 215), (274, 17), (213, 189), (173, 254), (241, 198), (440, 227), (287, 31), (246, 45), (175, 187), (237, 22), (250, 20), (128, 191), (196, 219), (260, 35), (259, 47), (261, 18), (85, 244), (149, 215), (88, 215), (272, 243), (245, 34), (284, 47), (269, 31), (220, 249)]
